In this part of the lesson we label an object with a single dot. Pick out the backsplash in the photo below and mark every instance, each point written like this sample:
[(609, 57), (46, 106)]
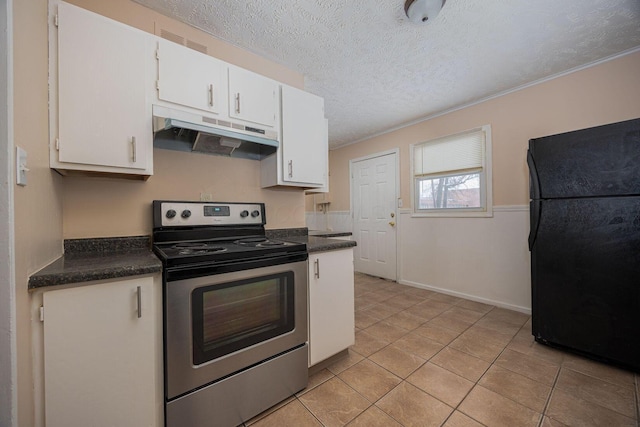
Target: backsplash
[(108, 207)]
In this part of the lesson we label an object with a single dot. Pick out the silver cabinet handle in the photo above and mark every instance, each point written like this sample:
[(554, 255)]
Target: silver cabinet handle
[(290, 168), (210, 95), (133, 149), (238, 103), (139, 291), (316, 268)]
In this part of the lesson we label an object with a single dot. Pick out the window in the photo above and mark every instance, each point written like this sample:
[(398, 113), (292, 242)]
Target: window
[(452, 175)]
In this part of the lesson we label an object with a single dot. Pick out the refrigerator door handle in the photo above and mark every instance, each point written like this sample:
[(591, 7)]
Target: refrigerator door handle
[(535, 210), (534, 181)]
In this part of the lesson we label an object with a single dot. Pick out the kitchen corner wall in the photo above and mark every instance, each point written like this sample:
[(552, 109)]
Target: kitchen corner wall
[(51, 208), (487, 259), (97, 207), (37, 206)]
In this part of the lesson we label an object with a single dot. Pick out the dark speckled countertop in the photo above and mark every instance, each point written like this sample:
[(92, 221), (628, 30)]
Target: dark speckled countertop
[(322, 233), (321, 242), (85, 260)]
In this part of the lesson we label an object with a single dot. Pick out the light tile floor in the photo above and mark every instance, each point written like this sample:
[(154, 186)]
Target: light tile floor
[(423, 358)]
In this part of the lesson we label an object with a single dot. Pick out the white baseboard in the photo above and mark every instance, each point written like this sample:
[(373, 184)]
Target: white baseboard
[(525, 310)]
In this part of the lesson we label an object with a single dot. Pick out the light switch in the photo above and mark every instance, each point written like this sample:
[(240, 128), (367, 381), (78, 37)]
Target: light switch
[(21, 166), (399, 203)]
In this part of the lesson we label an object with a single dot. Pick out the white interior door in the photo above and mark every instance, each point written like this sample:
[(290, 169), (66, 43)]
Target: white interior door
[(374, 198)]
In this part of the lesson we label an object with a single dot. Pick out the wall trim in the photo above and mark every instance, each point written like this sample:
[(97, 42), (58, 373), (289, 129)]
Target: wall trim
[(521, 309), (330, 212), (8, 365), (497, 208), (490, 97), (511, 208)]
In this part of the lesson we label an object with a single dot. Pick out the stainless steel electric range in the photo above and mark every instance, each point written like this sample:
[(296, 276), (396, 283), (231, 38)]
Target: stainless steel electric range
[(235, 312)]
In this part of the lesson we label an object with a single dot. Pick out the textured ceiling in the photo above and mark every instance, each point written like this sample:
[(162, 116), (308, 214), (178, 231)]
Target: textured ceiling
[(376, 70)]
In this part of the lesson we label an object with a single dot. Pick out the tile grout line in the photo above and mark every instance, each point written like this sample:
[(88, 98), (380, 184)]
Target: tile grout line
[(427, 360), (484, 373), (456, 304), (382, 303), (553, 389)]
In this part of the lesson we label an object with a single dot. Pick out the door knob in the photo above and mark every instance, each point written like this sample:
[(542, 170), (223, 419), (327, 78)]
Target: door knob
[(392, 223)]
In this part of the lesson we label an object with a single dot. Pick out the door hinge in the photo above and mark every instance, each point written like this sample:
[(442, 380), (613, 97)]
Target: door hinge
[(41, 313), (157, 53), (55, 20), (58, 144), (157, 84)]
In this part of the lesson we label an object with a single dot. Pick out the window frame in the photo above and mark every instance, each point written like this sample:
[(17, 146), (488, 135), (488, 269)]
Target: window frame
[(486, 182)]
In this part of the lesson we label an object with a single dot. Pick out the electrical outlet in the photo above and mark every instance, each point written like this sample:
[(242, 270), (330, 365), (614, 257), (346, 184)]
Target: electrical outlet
[(206, 197), (21, 166)]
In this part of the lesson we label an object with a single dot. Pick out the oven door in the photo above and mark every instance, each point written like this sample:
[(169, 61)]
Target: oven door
[(221, 324)]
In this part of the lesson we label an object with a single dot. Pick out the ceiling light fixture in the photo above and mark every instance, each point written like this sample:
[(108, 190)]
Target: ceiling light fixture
[(419, 11)]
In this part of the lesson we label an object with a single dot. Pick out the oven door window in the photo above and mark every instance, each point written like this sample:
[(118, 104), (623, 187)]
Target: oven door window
[(231, 316)]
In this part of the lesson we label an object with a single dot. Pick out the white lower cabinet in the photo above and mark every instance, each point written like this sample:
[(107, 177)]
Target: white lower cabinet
[(103, 354), (331, 304)]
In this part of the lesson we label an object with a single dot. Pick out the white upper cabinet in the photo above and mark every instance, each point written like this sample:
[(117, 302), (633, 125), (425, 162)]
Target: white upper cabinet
[(253, 98), (100, 95), (302, 159), (325, 163), (304, 142), (191, 78)]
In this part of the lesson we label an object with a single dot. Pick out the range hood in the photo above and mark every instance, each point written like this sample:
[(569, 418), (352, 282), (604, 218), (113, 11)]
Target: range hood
[(184, 131)]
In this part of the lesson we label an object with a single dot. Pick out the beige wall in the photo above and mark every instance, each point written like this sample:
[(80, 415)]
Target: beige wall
[(494, 250), (111, 207), (91, 207), (601, 94)]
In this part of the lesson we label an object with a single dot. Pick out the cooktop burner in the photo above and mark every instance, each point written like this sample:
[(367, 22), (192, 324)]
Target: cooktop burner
[(259, 242), (199, 250)]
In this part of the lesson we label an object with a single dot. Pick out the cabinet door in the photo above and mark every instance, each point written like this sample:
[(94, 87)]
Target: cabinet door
[(103, 115), (253, 98), (190, 78), (304, 137), (99, 356), (331, 304)]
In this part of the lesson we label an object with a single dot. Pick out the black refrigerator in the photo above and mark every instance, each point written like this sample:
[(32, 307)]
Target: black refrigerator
[(585, 241)]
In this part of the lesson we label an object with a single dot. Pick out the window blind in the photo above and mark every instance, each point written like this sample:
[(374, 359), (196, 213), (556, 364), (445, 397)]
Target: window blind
[(449, 154)]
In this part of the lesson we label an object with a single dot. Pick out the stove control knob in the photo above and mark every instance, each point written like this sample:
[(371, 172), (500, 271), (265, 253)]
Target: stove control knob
[(255, 213), (185, 213), (171, 213), (244, 214)]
